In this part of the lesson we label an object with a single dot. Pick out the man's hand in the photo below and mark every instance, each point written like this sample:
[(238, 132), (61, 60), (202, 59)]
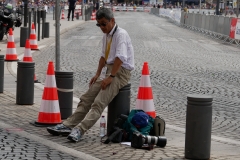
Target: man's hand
[(106, 82), (93, 80)]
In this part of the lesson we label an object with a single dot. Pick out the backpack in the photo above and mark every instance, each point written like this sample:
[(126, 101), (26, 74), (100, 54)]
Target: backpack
[(123, 129), (130, 128)]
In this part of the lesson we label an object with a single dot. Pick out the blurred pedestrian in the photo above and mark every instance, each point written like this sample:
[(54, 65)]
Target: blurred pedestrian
[(71, 5)]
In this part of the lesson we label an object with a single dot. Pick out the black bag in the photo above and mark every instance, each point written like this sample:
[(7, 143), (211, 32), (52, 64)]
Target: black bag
[(117, 134), (116, 137), (159, 126)]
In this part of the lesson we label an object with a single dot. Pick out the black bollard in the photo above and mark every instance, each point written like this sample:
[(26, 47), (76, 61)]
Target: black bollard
[(25, 13), (43, 13), (35, 18), (77, 16), (119, 105), (38, 21), (29, 21), (25, 83), (46, 30), (64, 82), (198, 127), (86, 13), (1, 73), (23, 35)]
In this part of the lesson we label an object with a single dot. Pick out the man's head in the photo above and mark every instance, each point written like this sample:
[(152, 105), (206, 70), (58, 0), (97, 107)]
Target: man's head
[(105, 20)]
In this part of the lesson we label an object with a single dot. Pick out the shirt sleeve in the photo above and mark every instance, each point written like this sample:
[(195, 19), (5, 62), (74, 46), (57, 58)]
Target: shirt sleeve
[(102, 53), (121, 47)]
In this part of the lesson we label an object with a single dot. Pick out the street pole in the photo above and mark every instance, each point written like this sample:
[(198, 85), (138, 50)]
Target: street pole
[(217, 7), (57, 35), (200, 3), (25, 13), (237, 8)]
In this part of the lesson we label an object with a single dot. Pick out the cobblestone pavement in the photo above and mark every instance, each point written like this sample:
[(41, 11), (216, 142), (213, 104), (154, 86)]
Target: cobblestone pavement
[(181, 62)]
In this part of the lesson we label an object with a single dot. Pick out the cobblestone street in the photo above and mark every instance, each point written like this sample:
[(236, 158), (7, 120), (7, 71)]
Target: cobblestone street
[(181, 62)]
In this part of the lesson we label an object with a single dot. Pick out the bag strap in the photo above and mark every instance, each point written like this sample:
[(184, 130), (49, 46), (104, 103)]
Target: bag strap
[(114, 134)]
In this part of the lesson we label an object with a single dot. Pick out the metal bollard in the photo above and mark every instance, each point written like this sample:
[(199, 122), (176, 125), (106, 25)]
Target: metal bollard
[(198, 127), (23, 35), (43, 13), (1, 73), (46, 30), (29, 21), (38, 21), (119, 105), (86, 13), (25, 83), (64, 81), (77, 16)]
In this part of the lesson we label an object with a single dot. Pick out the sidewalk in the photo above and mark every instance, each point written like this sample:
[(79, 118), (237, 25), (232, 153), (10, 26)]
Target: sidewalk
[(14, 120)]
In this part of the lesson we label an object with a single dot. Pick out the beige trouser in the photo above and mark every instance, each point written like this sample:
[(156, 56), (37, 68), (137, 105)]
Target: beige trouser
[(94, 101)]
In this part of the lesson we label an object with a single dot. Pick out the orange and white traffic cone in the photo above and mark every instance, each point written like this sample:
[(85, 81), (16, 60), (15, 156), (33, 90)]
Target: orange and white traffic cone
[(93, 17), (49, 113), (33, 39), (145, 96), (11, 53), (28, 56), (63, 15), (27, 53)]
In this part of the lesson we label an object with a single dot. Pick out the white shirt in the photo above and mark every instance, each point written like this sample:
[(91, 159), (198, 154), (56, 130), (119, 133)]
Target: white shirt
[(121, 47)]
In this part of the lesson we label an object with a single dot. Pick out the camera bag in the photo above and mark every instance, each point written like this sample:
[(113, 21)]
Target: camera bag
[(159, 126)]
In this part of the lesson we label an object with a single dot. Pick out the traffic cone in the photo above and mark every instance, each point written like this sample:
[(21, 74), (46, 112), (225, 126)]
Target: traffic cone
[(93, 17), (62, 14), (33, 39), (49, 110), (28, 56), (11, 53), (145, 96)]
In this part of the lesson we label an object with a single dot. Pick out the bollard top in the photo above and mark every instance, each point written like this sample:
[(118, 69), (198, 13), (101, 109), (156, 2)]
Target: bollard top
[(1, 57), (199, 97), (26, 64), (63, 73)]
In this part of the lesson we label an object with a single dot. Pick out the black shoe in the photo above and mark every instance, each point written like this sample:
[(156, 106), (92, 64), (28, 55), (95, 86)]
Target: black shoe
[(75, 135), (59, 129), (72, 20), (68, 19)]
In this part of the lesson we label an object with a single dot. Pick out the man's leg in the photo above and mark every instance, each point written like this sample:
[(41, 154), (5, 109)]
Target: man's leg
[(103, 99), (69, 10), (72, 14), (84, 105)]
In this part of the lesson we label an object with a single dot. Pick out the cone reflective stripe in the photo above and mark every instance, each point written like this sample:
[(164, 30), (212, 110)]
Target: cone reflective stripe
[(11, 53), (33, 39), (49, 110), (145, 96)]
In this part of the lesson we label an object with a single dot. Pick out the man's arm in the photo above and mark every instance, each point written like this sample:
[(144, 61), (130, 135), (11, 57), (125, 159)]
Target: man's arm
[(116, 66), (101, 64)]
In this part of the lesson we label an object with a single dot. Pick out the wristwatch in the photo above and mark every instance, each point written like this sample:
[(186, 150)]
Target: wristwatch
[(112, 76)]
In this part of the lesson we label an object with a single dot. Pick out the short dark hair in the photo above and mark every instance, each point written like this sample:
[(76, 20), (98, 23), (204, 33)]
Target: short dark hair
[(104, 13)]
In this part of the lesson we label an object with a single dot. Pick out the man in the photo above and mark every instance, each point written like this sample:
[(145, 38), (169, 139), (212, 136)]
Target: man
[(71, 5), (113, 73)]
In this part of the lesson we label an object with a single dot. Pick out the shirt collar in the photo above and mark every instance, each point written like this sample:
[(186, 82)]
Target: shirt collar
[(112, 30)]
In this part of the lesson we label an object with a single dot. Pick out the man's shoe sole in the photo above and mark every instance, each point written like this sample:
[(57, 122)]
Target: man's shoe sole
[(53, 132), (71, 139)]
